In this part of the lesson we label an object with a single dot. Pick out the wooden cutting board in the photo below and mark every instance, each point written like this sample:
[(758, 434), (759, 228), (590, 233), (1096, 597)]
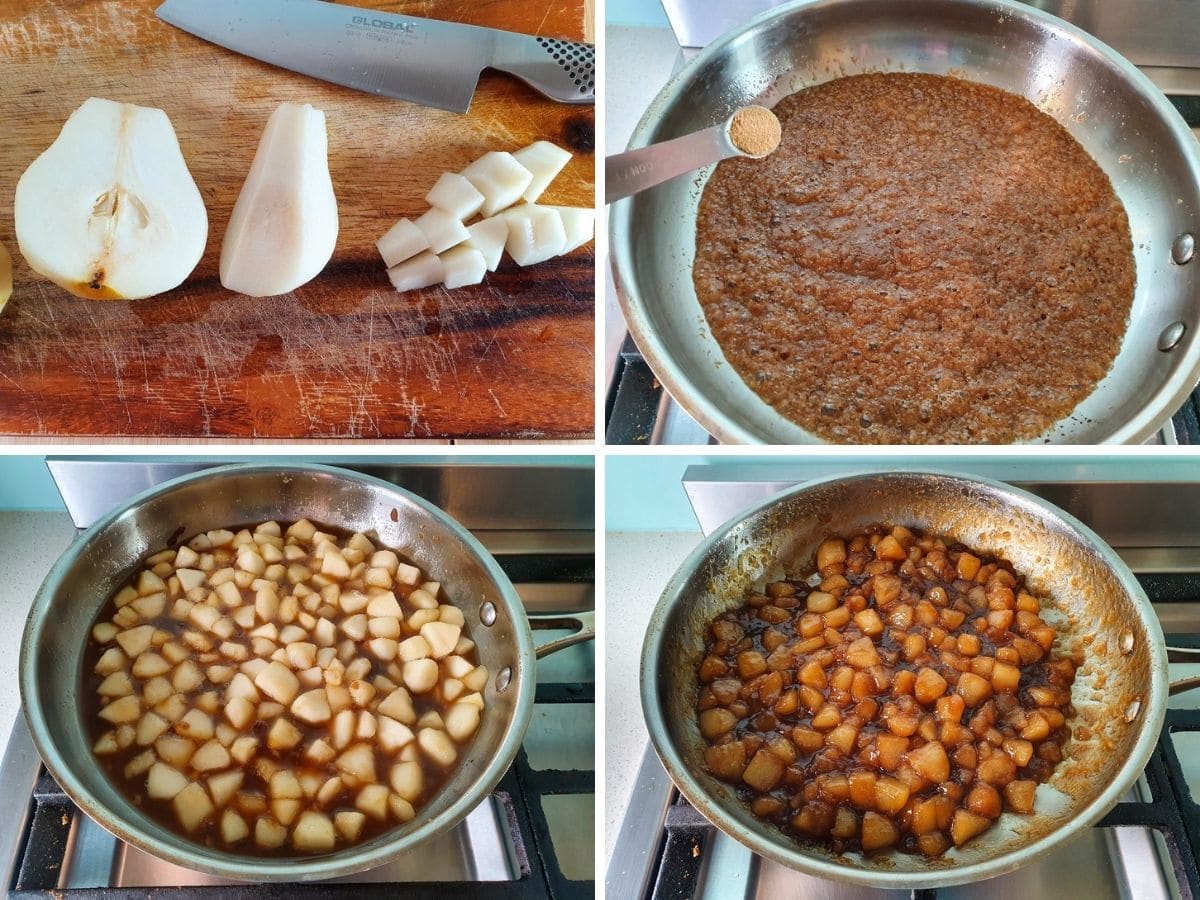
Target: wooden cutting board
[(345, 356)]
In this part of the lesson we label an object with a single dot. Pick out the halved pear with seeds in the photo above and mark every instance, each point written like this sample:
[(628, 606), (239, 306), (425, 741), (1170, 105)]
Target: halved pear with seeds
[(110, 211)]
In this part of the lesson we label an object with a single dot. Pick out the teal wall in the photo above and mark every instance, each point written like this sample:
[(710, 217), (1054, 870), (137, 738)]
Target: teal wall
[(645, 492), (635, 12), (25, 483)]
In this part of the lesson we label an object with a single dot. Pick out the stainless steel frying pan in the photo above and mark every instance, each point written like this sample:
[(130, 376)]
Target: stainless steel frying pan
[(107, 554), (1114, 111), (1096, 604)]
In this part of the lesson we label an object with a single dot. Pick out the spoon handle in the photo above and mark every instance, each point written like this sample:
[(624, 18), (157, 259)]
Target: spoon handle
[(625, 174)]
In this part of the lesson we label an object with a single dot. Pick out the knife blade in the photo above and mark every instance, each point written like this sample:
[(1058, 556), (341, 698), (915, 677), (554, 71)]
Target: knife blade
[(426, 61)]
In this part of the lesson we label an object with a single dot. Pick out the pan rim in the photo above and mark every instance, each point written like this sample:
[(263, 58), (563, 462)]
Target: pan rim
[(286, 869), (709, 413), (790, 854)]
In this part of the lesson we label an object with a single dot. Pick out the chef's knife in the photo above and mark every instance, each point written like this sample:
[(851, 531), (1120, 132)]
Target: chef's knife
[(427, 61)]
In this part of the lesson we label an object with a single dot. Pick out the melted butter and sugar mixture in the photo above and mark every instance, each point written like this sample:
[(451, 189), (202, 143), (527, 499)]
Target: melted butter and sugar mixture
[(921, 260), (280, 690)]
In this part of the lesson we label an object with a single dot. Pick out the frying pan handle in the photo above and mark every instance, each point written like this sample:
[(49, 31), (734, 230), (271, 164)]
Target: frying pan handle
[(584, 623), (1183, 655)]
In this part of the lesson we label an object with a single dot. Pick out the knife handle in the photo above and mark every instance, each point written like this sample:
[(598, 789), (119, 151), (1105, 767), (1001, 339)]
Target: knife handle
[(561, 70)]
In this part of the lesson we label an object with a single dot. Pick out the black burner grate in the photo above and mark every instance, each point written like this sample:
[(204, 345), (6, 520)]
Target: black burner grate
[(518, 798), (1171, 812)]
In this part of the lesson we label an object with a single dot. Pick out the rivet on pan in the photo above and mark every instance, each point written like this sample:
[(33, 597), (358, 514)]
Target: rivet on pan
[(1132, 710), (1171, 336), (1126, 639), (503, 677), (1183, 248), (487, 613)]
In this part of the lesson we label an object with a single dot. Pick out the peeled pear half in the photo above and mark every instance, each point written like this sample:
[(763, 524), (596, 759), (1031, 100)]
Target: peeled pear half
[(109, 211), (285, 223)]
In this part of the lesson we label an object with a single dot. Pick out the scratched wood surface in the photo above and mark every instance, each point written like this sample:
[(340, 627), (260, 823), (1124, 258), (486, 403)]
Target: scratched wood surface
[(344, 356)]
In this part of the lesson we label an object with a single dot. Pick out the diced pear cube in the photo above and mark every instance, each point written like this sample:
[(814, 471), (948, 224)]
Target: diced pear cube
[(420, 675), (233, 827), (373, 800), (240, 712), (122, 710), (244, 748), (383, 648), (349, 824), (196, 724), (150, 607), (135, 641), (140, 763), (392, 735), (115, 685), (149, 583), (402, 241), (442, 638), (186, 677), (407, 780), (422, 271), (314, 832), (150, 664), (241, 686), (268, 833), (423, 599), (385, 604), (544, 161), (385, 627), (164, 782), (437, 746), (106, 744), (441, 229), (149, 728), (329, 791), (358, 762), (210, 756), (361, 692), (579, 223), (319, 751), (366, 727), (103, 632), (462, 720), (312, 707), (285, 785), (407, 574), (462, 266), (285, 810), (111, 660), (455, 195), (324, 633), (535, 234), (500, 178), (402, 810), (174, 750), (342, 730), (278, 682), (398, 705), (222, 787), (355, 627), (283, 735)]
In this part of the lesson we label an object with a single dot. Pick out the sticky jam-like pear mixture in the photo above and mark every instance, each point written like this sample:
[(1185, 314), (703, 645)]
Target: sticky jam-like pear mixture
[(922, 260), (281, 689), (903, 695)]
